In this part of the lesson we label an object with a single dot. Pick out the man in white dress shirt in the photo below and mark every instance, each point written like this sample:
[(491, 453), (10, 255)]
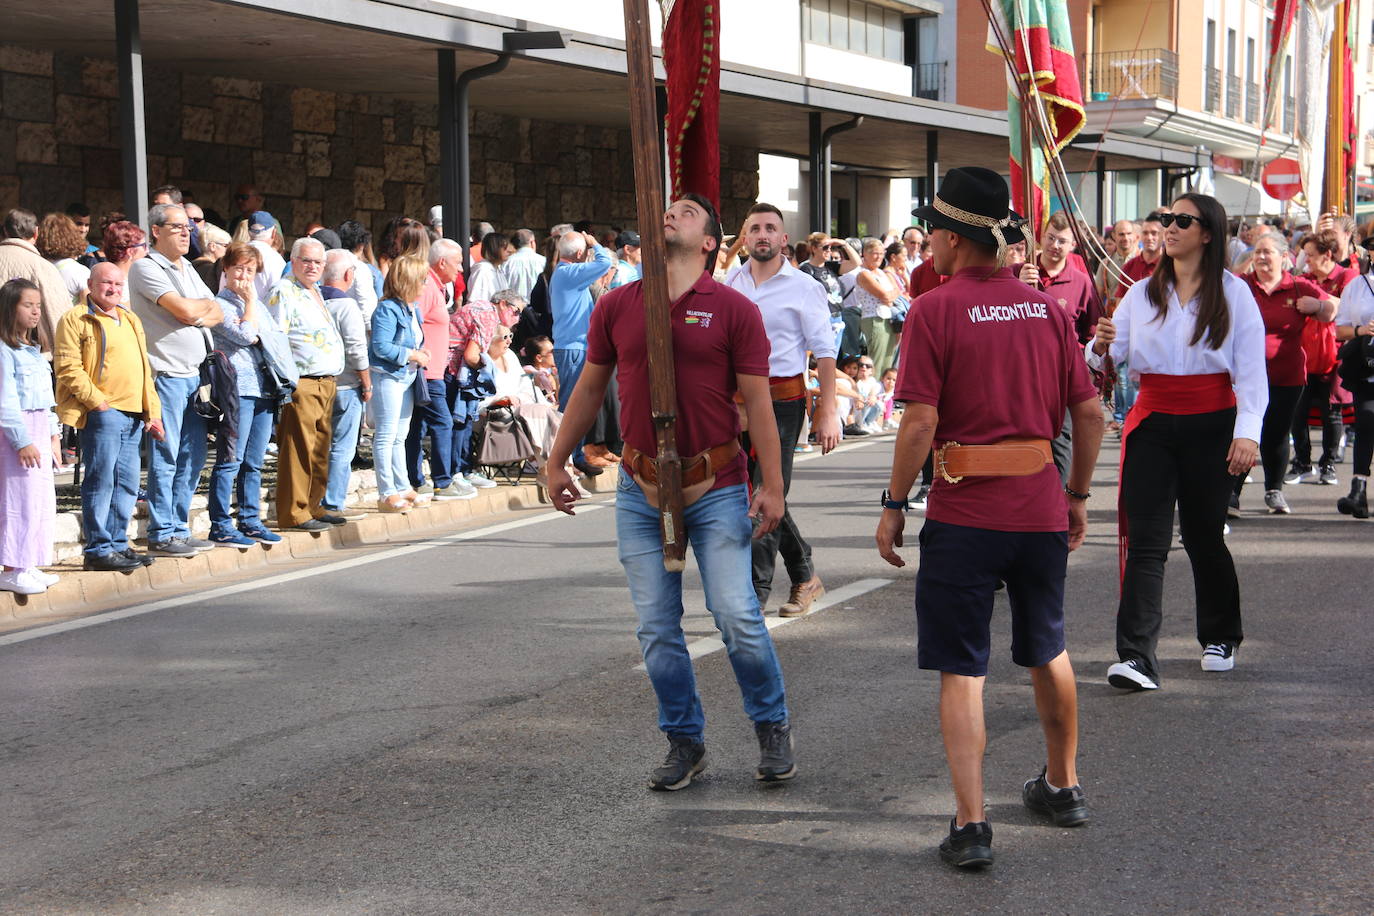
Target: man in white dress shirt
[(797, 318), (521, 270)]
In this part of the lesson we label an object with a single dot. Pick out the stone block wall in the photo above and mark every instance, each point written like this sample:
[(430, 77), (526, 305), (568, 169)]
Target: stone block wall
[(316, 155)]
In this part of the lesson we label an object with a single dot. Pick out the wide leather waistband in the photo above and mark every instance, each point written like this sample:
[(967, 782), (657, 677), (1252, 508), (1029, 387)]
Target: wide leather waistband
[(694, 469), (1008, 458), (782, 388)]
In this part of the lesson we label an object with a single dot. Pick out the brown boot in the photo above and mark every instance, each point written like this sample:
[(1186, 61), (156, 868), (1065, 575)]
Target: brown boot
[(802, 597)]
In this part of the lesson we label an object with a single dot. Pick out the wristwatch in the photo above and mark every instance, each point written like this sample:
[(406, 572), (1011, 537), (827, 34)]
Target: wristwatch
[(901, 505)]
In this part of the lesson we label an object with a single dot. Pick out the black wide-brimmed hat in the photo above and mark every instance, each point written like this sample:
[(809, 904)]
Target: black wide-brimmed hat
[(973, 202)]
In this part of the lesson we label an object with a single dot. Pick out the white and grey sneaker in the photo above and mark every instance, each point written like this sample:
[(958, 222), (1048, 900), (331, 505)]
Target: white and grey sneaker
[(1218, 656), (478, 481), (1274, 501), (1300, 473), (1327, 476), (1129, 675), (457, 489)]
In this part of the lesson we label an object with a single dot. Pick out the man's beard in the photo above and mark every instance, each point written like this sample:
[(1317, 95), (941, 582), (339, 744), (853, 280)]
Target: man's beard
[(764, 255)]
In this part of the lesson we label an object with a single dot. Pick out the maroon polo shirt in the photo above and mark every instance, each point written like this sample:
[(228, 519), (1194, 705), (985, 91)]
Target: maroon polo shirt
[(1284, 325), (998, 360), (924, 279), (1137, 269), (717, 333), (1074, 292)]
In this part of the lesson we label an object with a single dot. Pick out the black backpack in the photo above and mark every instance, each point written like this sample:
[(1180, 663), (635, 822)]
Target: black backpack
[(217, 397)]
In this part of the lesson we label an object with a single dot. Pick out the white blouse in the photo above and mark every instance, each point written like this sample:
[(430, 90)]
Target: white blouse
[(1148, 345), (1357, 305)]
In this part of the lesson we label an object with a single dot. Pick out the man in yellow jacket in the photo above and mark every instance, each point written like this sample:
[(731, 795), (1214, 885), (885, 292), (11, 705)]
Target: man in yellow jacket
[(105, 390)]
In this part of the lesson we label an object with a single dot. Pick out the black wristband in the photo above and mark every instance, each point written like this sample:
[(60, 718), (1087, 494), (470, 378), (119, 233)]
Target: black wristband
[(901, 505), (1074, 494)]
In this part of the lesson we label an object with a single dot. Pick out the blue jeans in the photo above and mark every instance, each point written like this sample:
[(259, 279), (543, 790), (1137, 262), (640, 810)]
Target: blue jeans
[(1123, 397), (719, 530), (109, 488), (569, 364), (243, 469), (870, 414), (348, 416), (464, 415), (176, 462), (392, 400), (433, 420)]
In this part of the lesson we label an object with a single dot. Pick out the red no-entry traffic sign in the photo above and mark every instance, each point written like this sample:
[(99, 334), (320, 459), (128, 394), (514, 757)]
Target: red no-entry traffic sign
[(1280, 179)]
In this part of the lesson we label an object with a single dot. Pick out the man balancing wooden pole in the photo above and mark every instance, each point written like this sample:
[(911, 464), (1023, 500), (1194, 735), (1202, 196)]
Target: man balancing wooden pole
[(716, 340)]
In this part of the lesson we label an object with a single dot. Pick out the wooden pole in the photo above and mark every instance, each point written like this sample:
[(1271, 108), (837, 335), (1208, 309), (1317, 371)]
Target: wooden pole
[(1032, 233), (1333, 196), (639, 65)]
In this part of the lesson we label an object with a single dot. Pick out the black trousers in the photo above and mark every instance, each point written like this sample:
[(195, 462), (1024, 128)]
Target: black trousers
[(786, 538), (1274, 433), (1364, 428), (1317, 391), (1172, 459)]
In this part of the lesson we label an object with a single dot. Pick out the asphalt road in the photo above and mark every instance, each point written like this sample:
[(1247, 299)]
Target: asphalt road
[(460, 728)]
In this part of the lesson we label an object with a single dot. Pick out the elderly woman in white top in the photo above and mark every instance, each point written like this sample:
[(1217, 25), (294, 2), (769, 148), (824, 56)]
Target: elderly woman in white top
[(1355, 320), (1193, 336), (875, 292), (516, 388)]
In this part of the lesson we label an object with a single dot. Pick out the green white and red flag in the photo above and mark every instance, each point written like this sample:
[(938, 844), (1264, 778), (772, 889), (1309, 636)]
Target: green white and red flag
[(1045, 69)]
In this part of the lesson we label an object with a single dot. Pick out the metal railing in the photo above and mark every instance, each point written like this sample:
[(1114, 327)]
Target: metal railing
[(928, 80), (1252, 103), (1212, 100), (1233, 97), (1149, 73)]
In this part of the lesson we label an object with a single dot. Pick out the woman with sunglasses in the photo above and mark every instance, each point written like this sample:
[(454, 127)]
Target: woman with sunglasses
[(1288, 304), (1194, 339)]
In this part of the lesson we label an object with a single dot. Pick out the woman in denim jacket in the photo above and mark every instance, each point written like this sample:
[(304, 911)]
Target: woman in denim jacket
[(245, 321), (28, 503), (394, 355)]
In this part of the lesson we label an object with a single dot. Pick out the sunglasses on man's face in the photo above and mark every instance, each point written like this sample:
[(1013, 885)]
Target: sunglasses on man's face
[(1185, 220)]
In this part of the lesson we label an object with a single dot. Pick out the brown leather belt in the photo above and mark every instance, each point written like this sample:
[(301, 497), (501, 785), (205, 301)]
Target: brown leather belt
[(694, 469), (782, 388), (1008, 458)]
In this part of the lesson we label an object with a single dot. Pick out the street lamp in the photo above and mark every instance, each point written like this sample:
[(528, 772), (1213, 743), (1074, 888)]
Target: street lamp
[(453, 135)]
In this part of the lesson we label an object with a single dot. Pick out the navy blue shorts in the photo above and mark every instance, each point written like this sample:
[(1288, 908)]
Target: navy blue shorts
[(955, 584)]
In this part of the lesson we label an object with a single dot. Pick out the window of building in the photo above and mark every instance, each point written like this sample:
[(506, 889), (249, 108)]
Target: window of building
[(853, 25)]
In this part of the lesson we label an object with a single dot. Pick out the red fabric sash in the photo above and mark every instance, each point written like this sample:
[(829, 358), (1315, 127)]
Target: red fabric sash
[(1181, 395)]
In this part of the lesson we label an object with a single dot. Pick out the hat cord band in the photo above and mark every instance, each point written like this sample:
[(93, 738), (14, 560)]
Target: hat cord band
[(982, 222)]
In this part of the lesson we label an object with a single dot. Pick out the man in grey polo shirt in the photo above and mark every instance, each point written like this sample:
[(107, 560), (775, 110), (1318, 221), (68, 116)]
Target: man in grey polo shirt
[(175, 307)]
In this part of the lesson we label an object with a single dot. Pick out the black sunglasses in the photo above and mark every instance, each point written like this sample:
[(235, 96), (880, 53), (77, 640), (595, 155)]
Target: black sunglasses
[(1185, 220)]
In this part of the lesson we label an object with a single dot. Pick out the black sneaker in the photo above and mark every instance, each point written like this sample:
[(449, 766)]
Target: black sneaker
[(686, 758), (330, 519), (109, 562), (1068, 807), (969, 846), (142, 558), (590, 470), (312, 524), (1233, 507), (922, 498), (775, 752), (1130, 675)]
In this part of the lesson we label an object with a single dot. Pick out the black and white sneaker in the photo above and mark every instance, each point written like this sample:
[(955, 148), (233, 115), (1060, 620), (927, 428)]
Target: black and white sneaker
[(969, 846), (1327, 476), (776, 763), (1067, 807), (686, 758), (1218, 656), (1233, 507), (1299, 473), (1130, 675), (922, 498)]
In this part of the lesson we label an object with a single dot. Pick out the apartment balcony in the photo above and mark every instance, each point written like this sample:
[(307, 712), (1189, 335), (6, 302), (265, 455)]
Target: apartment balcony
[(1149, 73), (1252, 103), (928, 81), (1213, 91), (1233, 97)]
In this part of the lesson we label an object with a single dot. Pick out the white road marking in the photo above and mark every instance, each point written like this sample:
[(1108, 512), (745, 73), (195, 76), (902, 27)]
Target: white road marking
[(706, 645), (848, 445), (204, 598)]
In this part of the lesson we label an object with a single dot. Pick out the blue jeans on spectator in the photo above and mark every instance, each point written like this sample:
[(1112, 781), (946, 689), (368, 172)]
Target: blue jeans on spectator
[(109, 487), (244, 468), (348, 416), (433, 420), (569, 364), (870, 414), (392, 400), (464, 414), (175, 463), (1123, 396), (719, 530)]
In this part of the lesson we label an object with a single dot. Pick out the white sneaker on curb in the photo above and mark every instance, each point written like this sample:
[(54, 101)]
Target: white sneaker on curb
[(21, 583), (478, 481), (1218, 656), (458, 489), (48, 579), (1128, 675)]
